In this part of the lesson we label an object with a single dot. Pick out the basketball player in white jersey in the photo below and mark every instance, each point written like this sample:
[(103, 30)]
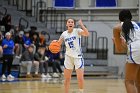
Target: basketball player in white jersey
[(130, 36), (73, 54)]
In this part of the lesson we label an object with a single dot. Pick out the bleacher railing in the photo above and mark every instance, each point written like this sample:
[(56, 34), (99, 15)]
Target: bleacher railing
[(3, 11), (39, 6), (92, 42), (50, 17), (102, 48), (60, 22), (23, 23), (12, 2), (53, 20)]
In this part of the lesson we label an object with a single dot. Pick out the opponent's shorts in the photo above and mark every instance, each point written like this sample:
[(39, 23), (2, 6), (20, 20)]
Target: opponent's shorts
[(71, 62), (133, 54)]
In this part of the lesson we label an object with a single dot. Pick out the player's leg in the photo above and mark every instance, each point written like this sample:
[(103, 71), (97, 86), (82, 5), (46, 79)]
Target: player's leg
[(68, 65), (67, 77), (130, 77), (79, 65), (138, 80), (80, 78)]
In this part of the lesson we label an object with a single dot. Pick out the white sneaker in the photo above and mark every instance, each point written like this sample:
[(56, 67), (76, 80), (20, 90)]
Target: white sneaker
[(61, 75), (48, 75), (55, 80), (18, 57), (55, 75), (3, 77), (10, 77), (43, 76)]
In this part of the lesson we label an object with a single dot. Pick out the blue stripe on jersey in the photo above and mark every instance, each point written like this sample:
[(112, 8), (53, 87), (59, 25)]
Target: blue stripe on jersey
[(82, 63), (131, 54), (65, 66), (79, 41), (80, 45)]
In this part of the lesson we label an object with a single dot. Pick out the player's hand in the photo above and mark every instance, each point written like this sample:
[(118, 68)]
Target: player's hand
[(80, 22), (54, 40)]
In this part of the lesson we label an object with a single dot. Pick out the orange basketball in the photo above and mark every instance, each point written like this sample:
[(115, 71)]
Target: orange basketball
[(55, 47)]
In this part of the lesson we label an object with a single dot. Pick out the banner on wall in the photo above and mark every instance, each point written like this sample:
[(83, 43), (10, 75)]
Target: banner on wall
[(63, 3), (106, 3)]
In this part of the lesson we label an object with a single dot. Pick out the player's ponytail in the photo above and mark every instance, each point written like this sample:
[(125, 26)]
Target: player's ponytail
[(127, 27)]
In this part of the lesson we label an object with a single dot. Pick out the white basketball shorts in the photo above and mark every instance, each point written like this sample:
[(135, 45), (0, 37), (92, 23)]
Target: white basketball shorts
[(133, 55), (71, 62)]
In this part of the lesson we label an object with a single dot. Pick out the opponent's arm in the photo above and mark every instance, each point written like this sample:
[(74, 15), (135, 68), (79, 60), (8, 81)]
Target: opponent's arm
[(85, 30), (117, 37)]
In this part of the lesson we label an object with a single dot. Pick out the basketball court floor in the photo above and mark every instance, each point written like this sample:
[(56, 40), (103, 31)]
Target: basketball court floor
[(55, 85)]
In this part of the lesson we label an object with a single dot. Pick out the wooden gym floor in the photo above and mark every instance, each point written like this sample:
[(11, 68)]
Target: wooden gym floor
[(55, 85)]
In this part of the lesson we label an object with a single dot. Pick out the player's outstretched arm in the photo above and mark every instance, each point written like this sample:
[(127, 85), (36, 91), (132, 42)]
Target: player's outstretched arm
[(85, 30), (60, 40)]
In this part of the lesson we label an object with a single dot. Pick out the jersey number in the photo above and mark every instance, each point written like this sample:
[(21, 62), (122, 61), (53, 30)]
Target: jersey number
[(71, 45)]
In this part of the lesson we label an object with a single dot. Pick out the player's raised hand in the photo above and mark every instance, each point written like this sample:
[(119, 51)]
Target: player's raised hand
[(80, 22), (54, 40)]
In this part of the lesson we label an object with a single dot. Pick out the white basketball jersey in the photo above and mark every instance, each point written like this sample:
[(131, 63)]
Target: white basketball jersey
[(135, 36), (73, 43), (133, 53)]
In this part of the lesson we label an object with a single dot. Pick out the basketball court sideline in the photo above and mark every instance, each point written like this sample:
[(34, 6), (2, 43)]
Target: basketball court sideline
[(55, 85)]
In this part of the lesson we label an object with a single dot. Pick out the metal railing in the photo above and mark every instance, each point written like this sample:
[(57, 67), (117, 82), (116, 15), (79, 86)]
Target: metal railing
[(60, 22), (51, 17), (12, 2), (92, 42), (21, 5), (102, 48), (39, 6), (23, 23), (3, 11), (53, 20)]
